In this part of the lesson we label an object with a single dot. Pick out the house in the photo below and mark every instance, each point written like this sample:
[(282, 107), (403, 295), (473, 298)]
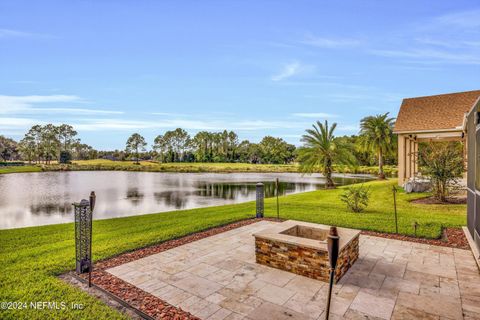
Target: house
[(444, 117), (438, 118)]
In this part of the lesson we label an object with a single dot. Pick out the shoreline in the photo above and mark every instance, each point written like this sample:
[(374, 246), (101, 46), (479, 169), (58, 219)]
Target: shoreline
[(186, 167)]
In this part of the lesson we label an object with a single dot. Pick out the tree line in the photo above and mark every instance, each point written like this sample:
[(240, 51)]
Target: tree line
[(178, 146), (46, 143), (321, 149)]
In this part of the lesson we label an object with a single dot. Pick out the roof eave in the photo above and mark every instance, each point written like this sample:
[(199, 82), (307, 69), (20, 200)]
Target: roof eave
[(460, 129)]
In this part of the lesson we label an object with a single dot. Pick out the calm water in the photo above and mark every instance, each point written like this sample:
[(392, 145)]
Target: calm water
[(30, 199)]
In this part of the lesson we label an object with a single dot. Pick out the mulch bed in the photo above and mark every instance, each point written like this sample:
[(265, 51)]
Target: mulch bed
[(139, 299), (159, 309), (452, 237), (433, 200)]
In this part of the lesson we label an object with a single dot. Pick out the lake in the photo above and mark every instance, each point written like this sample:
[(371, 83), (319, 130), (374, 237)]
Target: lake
[(32, 199)]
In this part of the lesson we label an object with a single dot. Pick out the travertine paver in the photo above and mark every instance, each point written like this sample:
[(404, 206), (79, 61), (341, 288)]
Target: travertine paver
[(217, 278)]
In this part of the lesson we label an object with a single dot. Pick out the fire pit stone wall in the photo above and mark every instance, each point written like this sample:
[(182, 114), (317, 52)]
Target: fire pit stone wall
[(305, 253)]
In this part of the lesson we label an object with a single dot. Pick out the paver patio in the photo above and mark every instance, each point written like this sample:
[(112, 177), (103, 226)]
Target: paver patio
[(217, 278)]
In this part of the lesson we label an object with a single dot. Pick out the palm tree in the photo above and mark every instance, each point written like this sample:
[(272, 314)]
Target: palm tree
[(321, 150), (376, 134)]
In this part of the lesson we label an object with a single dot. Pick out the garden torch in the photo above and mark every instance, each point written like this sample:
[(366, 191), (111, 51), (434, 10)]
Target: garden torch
[(333, 246)]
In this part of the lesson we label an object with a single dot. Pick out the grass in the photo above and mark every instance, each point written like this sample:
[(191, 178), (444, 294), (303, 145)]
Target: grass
[(184, 167), (31, 258), (19, 169), (103, 164)]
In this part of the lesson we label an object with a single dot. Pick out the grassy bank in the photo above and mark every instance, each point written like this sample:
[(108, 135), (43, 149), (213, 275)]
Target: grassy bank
[(102, 164), (19, 169), (32, 257)]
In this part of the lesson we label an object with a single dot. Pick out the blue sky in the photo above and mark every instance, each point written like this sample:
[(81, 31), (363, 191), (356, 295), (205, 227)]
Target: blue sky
[(111, 68)]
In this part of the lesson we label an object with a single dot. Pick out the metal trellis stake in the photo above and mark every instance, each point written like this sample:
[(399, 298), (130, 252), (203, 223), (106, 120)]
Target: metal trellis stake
[(394, 189), (276, 191), (333, 246), (83, 236)]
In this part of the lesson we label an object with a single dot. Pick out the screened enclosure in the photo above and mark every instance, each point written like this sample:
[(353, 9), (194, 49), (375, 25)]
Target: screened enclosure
[(473, 175)]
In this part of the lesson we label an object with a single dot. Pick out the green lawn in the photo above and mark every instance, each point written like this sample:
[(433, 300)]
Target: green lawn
[(184, 167), (19, 169), (102, 164), (32, 257)]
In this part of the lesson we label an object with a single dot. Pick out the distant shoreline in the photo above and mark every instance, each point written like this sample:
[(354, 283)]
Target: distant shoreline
[(194, 167)]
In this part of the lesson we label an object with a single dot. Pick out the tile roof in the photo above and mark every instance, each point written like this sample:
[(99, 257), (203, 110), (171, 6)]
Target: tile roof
[(444, 111)]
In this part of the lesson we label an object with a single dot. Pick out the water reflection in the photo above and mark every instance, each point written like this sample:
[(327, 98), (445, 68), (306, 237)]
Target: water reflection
[(135, 195), (231, 191), (51, 208), (175, 199), (45, 198)]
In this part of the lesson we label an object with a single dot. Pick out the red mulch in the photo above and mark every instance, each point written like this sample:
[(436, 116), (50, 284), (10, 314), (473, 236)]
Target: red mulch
[(159, 309), (139, 299), (452, 237)]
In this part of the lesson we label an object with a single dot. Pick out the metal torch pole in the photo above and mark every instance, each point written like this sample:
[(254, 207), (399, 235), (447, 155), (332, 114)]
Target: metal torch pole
[(93, 198), (333, 245), (278, 208), (395, 207)]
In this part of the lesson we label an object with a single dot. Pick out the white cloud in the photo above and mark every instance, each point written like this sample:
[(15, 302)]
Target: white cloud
[(453, 38), (330, 43), (13, 104), (8, 122), (79, 111), (10, 33), (464, 19), (5, 33), (430, 56), (288, 71), (292, 69), (168, 114), (315, 115), (27, 105), (213, 125)]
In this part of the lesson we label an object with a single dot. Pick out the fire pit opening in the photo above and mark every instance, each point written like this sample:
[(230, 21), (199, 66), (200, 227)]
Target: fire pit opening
[(307, 232)]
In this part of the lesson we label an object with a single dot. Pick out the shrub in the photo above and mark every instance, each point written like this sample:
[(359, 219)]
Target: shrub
[(65, 157), (11, 163), (356, 198), (443, 163)]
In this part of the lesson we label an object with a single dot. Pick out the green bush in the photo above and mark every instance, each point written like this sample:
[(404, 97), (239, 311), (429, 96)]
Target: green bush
[(65, 157), (356, 198), (443, 163), (11, 163)]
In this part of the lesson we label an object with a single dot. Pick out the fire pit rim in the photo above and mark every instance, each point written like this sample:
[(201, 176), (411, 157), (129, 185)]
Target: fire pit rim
[(275, 233)]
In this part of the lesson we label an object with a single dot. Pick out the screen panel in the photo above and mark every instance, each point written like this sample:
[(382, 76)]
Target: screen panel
[(471, 150), (471, 211)]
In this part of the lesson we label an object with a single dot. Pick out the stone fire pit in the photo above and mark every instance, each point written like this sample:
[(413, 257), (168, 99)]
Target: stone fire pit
[(301, 248)]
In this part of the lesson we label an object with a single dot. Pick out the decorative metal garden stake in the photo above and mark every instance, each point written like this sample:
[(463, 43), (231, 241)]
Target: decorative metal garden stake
[(415, 225), (333, 247), (276, 191), (394, 189), (93, 198), (83, 235), (260, 197)]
